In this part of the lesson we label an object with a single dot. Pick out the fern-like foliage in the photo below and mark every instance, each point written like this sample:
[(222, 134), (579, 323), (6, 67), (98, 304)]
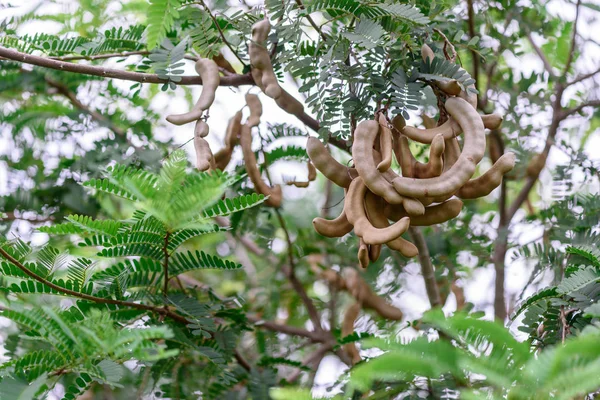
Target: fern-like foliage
[(161, 17)]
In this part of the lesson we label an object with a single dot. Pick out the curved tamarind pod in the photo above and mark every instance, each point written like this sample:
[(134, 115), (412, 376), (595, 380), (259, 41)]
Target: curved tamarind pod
[(363, 293), (428, 122), (256, 110), (374, 252), (363, 254), (433, 215), (451, 153), (362, 154), (450, 87), (448, 129), (435, 165), (337, 227), (374, 206), (261, 60), (469, 97), (204, 157), (427, 53), (463, 169), (232, 133), (289, 103), (355, 212), (209, 72), (385, 144), (312, 171), (254, 172), (324, 162), (348, 328), (492, 121), (536, 165), (201, 128), (490, 180), (298, 184), (223, 157), (222, 62)]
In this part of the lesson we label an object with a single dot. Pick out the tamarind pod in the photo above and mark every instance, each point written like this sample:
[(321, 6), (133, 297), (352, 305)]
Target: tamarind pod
[(256, 110), (385, 144), (428, 122), (451, 153), (448, 129), (536, 165), (427, 53), (433, 215), (204, 157), (209, 72), (363, 254), (201, 128), (254, 172), (261, 60), (450, 87), (223, 157), (355, 212), (472, 153), (374, 252), (222, 62), (289, 103), (324, 162), (362, 154), (492, 121), (298, 184), (469, 96), (363, 293), (232, 133), (490, 180), (337, 227), (374, 206), (494, 150), (348, 328), (312, 171), (412, 206), (435, 165)]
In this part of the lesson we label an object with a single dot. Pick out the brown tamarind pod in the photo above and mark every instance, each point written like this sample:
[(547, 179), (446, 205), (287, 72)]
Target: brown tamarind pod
[(256, 110), (472, 153), (298, 184), (362, 154), (433, 215), (492, 121), (222, 62), (536, 165), (232, 133), (469, 96), (451, 153), (374, 252), (385, 144), (289, 103), (450, 87), (350, 317), (204, 156), (494, 148), (312, 171), (262, 69), (209, 72), (490, 180), (363, 254), (324, 162), (275, 195), (355, 212), (448, 129), (374, 206), (337, 227), (201, 129), (427, 53), (435, 165), (428, 122), (363, 294)]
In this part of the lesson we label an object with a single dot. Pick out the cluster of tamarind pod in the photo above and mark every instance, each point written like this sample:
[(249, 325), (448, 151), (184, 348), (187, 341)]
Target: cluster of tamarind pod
[(425, 193), (238, 133)]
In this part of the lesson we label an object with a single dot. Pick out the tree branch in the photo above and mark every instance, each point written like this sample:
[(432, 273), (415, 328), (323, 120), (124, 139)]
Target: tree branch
[(11, 54), (311, 21), (583, 77), (433, 292), (112, 55), (158, 310), (471, 14), (541, 55), (571, 55), (570, 111), (316, 337)]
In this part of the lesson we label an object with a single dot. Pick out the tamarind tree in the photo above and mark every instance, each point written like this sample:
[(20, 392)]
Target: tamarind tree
[(361, 170)]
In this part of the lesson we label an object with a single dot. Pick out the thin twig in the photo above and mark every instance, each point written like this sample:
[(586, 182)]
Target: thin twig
[(541, 55), (166, 264), (447, 43), (317, 337), (11, 54), (427, 270), (571, 55), (311, 21), (113, 55)]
